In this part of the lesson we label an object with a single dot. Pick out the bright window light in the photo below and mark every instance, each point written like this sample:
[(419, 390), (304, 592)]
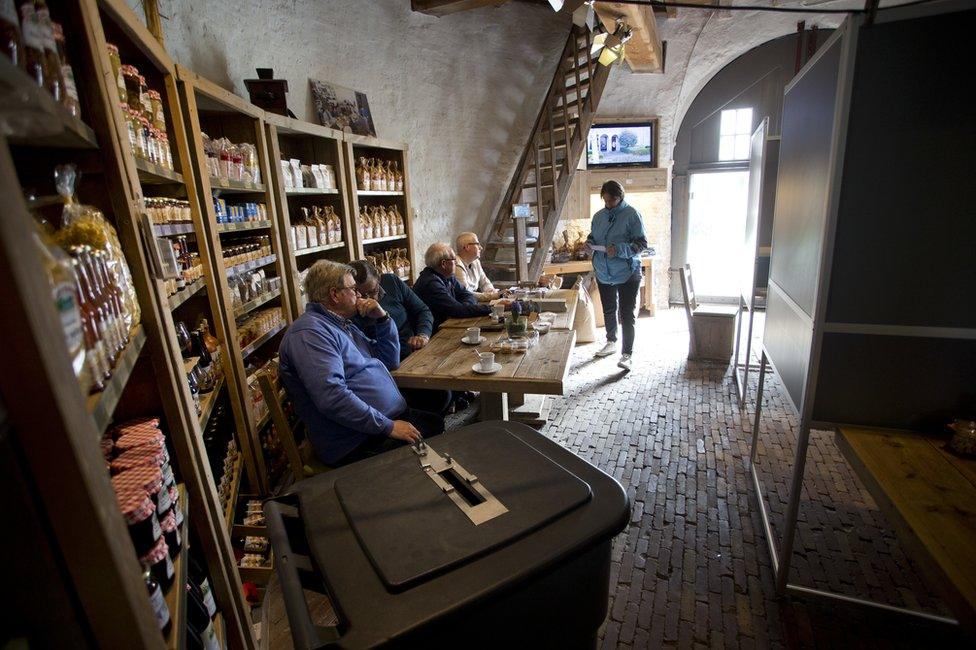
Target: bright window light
[(735, 131)]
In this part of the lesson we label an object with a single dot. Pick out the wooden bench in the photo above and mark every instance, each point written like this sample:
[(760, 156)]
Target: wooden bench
[(929, 495), (301, 457), (711, 328)]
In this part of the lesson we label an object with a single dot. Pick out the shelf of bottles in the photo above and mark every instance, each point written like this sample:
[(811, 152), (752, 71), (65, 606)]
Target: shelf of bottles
[(311, 204), (228, 143), (379, 187)]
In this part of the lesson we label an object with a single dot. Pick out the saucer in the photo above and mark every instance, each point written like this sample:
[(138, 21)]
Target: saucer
[(464, 339), (477, 368)]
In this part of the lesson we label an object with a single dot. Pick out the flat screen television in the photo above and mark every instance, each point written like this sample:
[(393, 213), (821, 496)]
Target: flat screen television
[(621, 145)]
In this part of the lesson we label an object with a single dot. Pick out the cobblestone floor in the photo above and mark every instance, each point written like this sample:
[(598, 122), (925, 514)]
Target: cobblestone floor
[(692, 569)]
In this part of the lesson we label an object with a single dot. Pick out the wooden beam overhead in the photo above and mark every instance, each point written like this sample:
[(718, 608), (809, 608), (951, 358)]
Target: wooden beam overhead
[(446, 7), (644, 51)]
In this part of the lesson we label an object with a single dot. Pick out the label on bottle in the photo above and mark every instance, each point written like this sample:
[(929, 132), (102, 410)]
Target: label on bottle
[(71, 325), (162, 500), (208, 599), (209, 638), (158, 603), (179, 514), (33, 34), (8, 12), (170, 571), (157, 531), (69, 82)]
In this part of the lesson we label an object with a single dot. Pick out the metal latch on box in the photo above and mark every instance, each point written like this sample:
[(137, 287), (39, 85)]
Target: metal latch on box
[(463, 487)]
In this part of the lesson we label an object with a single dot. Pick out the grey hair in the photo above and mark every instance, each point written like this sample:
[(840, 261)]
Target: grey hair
[(437, 253), (462, 239), (322, 277), (363, 271)]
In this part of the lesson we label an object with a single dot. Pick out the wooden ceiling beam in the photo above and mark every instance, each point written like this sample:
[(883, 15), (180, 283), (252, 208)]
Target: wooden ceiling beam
[(446, 7), (644, 51)]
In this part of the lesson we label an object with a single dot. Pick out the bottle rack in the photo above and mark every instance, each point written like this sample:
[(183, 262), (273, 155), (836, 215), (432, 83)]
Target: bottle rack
[(212, 110), (311, 144), (197, 301), (57, 427), (356, 147)]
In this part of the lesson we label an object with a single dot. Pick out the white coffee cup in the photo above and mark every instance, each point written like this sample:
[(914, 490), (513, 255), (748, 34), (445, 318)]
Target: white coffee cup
[(487, 360), (474, 334)]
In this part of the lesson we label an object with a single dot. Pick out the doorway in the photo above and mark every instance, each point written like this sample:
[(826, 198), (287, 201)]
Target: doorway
[(716, 223)]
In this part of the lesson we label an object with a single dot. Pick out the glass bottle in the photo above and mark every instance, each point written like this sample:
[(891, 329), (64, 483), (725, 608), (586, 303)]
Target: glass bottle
[(10, 41), (52, 64), (198, 576), (113, 293), (64, 283), (116, 61), (183, 338), (157, 601), (70, 97), (117, 332), (33, 42), (95, 346)]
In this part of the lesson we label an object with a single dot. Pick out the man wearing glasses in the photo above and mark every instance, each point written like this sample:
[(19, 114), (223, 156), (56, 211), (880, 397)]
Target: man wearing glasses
[(339, 378), (468, 268), (438, 286)]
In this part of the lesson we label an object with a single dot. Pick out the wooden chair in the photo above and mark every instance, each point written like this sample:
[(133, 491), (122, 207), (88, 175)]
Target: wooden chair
[(301, 457), (711, 328)]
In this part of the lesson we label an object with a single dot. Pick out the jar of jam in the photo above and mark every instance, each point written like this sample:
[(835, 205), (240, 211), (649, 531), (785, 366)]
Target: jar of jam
[(130, 75), (150, 479), (139, 512), (156, 110), (136, 424), (70, 98), (157, 601), (171, 533), (159, 563), (33, 43), (139, 457), (132, 437), (131, 127), (116, 61), (144, 138)]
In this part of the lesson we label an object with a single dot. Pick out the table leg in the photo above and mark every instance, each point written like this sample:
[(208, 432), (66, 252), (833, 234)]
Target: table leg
[(516, 399), (494, 406)]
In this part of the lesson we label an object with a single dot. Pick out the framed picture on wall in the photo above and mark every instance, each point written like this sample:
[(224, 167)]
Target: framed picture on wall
[(622, 143), (341, 108)]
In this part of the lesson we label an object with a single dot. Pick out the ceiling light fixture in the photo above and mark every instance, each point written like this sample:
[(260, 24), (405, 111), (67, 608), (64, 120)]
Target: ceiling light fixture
[(611, 46)]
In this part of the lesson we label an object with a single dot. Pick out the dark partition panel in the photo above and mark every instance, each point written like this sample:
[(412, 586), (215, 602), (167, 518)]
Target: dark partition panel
[(787, 340), (905, 251), (895, 381), (750, 243), (802, 181), (768, 207)]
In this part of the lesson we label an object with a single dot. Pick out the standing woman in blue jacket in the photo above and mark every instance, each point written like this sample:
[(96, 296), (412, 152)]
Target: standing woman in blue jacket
[(617, 239)]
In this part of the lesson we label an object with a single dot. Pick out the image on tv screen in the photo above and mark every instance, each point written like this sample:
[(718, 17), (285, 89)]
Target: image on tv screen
[(620, 144)]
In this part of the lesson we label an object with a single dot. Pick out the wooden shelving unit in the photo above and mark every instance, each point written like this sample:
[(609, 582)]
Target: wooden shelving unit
[(311, 144), (356, 147), (102, 405), (176, 595), (210, 109)]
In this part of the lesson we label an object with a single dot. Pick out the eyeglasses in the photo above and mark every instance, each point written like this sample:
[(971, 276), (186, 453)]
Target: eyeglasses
[(375, 294)]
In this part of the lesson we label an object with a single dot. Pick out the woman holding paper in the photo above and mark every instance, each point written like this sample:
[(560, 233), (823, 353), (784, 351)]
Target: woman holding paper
[(617, 239)]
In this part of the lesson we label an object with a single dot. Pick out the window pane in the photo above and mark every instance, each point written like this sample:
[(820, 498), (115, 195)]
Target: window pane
[(726, 147), (728, 123), (743, 118), (742, 147)]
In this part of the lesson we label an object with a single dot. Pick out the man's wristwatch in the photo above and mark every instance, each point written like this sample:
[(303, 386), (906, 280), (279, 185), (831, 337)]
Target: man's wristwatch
[(383, 319)]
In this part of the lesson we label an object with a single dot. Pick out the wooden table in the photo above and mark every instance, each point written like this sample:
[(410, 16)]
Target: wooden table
[(563, 320), (930, 495), (445, 364), (585, 266)]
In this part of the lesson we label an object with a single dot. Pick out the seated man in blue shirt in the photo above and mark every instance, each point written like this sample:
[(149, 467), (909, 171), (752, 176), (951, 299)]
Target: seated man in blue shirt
[(439, 288), (339, 378)]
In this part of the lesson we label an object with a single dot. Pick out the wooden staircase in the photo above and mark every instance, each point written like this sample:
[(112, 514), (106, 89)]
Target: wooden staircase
[(548, 164)]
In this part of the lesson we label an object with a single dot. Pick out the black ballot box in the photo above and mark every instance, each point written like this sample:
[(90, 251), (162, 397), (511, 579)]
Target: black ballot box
[(490, 534)]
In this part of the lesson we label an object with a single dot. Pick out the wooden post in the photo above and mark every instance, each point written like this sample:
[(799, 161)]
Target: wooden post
[(153, 20)]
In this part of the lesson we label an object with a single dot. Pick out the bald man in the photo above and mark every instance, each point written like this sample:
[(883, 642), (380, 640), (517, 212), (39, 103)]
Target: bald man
[(468, 269)]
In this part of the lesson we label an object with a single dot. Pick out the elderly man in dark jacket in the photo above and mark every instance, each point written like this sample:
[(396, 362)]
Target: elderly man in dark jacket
[(439, 288)]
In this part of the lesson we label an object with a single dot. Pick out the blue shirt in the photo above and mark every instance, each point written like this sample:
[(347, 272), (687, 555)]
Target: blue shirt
[(339, 380), (411, 316), (622, 227), (446, 297)]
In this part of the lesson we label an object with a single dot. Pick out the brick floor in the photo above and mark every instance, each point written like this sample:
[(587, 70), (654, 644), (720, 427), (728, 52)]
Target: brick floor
[(692, 569)]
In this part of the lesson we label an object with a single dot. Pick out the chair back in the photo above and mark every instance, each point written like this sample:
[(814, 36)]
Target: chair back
[(301, 458), (688, 293)]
